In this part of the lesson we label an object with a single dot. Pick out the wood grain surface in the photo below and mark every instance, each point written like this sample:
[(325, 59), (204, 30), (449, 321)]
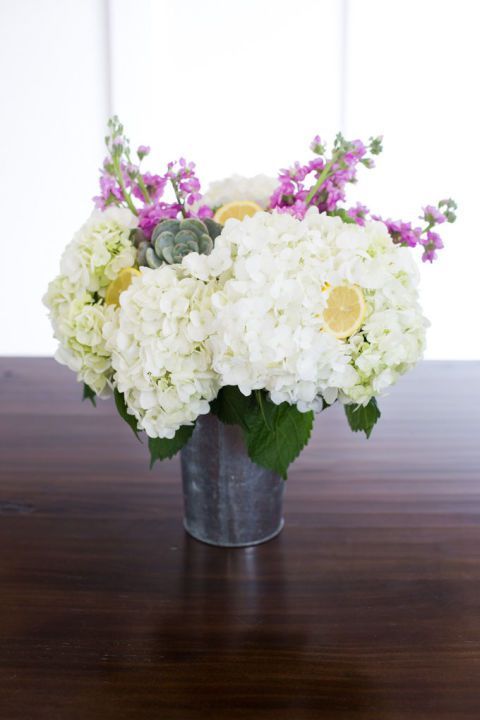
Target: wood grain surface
[(367, 607)]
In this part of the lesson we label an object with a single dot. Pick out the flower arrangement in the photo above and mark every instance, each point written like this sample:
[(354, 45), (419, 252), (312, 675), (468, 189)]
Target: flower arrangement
[(262, 301)]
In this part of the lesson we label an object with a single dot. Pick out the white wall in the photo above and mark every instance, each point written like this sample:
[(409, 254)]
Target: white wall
[(236, 86), (54, 109), (413, 75)]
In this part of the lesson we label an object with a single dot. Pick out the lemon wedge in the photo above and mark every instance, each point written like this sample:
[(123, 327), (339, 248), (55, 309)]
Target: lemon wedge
[(121, 283), (345, 311), (238, 209)]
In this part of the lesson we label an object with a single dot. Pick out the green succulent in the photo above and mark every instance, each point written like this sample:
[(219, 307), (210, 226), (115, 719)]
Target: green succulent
[(141, 242), (173, 239)]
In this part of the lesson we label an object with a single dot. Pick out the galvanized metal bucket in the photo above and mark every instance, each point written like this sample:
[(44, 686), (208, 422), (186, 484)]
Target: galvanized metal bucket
[(229, 501)]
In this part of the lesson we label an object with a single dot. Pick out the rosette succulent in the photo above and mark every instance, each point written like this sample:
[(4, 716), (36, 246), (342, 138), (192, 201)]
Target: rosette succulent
[(172, 240)]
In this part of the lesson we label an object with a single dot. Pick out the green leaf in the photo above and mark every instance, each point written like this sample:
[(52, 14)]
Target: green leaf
[(233, 407), (342, 214), (89, 394), (163, 448), (276, 434), (363, 417), (122, 411)]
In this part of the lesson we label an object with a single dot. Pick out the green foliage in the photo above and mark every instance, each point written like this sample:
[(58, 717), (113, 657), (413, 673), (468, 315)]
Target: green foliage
[(448, 208), (274, 434), (89, 394), (342, 214), (163, 448), (277, 434), (375, 145), (172, 240), (160, 448), (363, 418), (121, 405), (233, 407)]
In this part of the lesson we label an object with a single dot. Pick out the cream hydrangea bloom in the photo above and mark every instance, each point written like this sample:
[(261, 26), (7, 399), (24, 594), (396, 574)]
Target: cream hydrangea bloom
[(100, 249), (94, 257), (159, 348), (274, 273), (259, 189), (77, 322)]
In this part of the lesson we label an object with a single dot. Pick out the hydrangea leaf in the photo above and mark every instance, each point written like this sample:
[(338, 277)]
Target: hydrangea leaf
[(276, 434), (89, 394), (363, 418), (164, 448), (122, 411), (233, 407)]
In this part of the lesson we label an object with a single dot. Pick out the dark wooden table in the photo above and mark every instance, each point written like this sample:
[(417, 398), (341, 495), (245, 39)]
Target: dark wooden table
[(366, 607)]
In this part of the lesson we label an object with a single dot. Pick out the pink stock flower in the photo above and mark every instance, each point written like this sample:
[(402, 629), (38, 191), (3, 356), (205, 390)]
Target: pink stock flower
[(431, 243), (358, 213), (155, 185), (110, 192), (401, 233), (203, 212), (143, 151), (321, 182), (187, 187), (150, 215), (432, 215)]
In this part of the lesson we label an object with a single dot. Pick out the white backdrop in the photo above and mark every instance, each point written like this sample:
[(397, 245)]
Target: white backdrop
[(237, 87)]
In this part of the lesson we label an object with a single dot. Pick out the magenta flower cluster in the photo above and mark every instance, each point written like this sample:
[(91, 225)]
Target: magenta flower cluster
[(187, 187), (122, 182), (406, 235), (321, 182), (292, 191)]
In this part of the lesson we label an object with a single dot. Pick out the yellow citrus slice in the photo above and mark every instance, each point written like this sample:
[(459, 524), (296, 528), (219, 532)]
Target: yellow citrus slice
[(345, 310), (121, 283), (237, 209)]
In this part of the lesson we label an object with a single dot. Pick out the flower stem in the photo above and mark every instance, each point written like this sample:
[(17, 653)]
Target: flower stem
[(143, 188), (179, 199), (121, 182), (321, 179)]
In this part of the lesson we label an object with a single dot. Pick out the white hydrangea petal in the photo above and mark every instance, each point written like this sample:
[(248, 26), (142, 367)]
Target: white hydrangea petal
[(270, 302), (259, 189), (81, 322), (160, 353)]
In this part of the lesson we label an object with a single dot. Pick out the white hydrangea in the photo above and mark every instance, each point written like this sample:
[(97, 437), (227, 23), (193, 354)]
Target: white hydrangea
[(100, 249), (259, 189), (274, 273), (78, 326), (159, 351), (95, 256)]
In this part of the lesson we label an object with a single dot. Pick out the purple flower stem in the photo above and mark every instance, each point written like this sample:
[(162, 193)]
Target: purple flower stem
[(178, 197), (321, 179), (119, 176), (143, 188)]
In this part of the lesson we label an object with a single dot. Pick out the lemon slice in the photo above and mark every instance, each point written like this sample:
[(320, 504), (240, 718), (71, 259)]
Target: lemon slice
[(121, 283), (237, 209), (345, 311)]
